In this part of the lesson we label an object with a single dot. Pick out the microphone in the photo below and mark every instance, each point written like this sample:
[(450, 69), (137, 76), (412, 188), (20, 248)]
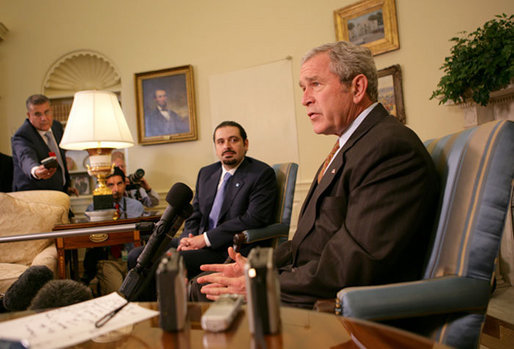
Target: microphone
[(179, 209), (35, 289), (22, 291), (60, 293)]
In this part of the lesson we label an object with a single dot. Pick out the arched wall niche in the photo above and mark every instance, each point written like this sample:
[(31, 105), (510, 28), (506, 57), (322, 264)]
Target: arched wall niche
[(77, 71)]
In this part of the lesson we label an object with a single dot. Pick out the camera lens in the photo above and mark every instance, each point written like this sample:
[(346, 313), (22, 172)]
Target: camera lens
[(139, 174), (135, 177)]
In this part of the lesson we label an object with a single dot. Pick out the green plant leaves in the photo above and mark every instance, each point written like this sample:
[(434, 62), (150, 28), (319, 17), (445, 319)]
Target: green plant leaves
[(480, 62)]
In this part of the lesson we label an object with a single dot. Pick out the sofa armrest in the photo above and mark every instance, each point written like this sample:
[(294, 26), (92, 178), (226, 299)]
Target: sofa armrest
[(47, 257), (418, 298)]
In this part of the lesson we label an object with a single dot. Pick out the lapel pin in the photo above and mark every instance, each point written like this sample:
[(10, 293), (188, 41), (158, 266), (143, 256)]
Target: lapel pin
[(237, 185), (333, 171)]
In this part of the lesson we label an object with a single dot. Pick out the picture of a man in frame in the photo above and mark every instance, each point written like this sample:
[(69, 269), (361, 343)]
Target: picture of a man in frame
[(164, 115)]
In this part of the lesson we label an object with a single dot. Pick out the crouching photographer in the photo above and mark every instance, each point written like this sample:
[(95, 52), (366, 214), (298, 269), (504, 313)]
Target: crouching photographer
[(139, 189), (137, 186)]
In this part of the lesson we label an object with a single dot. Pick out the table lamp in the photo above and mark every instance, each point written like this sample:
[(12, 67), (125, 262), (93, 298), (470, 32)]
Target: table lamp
[(96, 124)]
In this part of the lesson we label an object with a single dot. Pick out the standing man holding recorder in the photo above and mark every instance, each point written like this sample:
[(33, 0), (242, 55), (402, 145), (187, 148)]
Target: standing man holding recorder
[(37, 139)]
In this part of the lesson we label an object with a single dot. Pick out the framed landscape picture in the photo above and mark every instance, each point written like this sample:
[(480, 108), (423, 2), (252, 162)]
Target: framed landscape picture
[(390, 91), (370, 23), (166, 105)]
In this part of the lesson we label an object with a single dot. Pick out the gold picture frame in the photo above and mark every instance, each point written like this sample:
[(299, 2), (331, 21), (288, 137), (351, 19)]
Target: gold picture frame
[(390, 91), (370, 23), (166, 106)]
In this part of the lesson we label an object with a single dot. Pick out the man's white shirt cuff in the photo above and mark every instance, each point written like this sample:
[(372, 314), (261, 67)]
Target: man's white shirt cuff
[(207, 242), (33, 172)]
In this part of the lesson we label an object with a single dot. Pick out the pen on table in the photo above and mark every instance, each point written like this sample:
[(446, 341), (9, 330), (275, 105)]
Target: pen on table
[(103, 320)]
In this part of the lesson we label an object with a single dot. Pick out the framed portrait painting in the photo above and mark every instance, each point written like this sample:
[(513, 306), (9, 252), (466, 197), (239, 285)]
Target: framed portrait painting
[(370, 23), (166, 106), (390, 91)]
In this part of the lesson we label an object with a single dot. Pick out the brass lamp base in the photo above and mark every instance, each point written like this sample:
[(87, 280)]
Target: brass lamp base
[(101, 166)]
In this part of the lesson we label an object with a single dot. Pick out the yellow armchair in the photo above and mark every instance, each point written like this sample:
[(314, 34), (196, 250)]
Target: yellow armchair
[(28, 212)]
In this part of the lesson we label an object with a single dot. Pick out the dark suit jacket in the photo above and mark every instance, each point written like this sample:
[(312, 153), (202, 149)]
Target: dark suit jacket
[(368, 221), (250, 198), (28, 149), (249, 202), (157, 125), (6, 171)]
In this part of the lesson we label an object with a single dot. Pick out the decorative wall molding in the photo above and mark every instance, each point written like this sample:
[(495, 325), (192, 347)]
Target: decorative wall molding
[(78, 71), (500, 107)]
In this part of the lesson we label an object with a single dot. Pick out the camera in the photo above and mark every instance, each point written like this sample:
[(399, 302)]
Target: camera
[(263, 290), (135, 179), (171, 291)]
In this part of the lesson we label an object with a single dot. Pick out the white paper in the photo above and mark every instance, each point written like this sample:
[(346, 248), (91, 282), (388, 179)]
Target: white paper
[(73, 324)]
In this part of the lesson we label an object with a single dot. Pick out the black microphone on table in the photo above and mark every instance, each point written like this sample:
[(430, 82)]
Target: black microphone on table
[(35, 289), (179, 209)]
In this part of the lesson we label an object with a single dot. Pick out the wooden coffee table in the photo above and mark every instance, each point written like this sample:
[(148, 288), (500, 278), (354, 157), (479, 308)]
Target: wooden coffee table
[(300, 329)]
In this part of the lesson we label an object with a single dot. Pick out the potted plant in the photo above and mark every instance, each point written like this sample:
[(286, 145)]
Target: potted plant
[(480, 62)]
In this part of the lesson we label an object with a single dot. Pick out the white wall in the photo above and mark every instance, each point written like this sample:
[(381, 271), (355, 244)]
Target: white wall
[(218, 37)]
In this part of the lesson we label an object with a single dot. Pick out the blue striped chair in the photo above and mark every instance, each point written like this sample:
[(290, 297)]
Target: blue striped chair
[(449, 304), (277, 232)]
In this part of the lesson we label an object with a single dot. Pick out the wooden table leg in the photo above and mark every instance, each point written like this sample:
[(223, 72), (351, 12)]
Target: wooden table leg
[(74, 265), (61, 262)]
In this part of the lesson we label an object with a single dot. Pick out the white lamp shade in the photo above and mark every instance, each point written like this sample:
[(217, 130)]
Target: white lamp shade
[(96, 121)]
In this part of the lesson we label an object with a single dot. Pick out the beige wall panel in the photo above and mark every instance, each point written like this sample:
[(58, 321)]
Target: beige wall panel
[(216, 37)]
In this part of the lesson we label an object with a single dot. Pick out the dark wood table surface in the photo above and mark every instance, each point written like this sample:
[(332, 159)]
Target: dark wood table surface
[(300, 329)]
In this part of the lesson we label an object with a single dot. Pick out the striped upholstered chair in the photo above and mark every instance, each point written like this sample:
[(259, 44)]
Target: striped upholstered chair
[(477, 168), (277, 232)]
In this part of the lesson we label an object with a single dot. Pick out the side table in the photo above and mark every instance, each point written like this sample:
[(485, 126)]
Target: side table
[(104, 238)]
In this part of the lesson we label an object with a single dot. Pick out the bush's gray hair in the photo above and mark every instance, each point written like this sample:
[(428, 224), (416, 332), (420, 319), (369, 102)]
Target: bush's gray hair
[(347, 61)]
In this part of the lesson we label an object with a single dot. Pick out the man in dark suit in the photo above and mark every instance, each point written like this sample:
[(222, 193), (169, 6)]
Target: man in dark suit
[(246, 190), (368, 215), (162, 120), (37, 139)]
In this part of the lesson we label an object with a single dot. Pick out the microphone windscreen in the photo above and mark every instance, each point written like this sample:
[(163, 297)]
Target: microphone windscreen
[(179, 195), (20, 293), (60, 293)]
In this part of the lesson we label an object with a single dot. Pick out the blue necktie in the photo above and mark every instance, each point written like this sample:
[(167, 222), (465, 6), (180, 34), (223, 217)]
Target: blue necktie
[(218, 202)]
